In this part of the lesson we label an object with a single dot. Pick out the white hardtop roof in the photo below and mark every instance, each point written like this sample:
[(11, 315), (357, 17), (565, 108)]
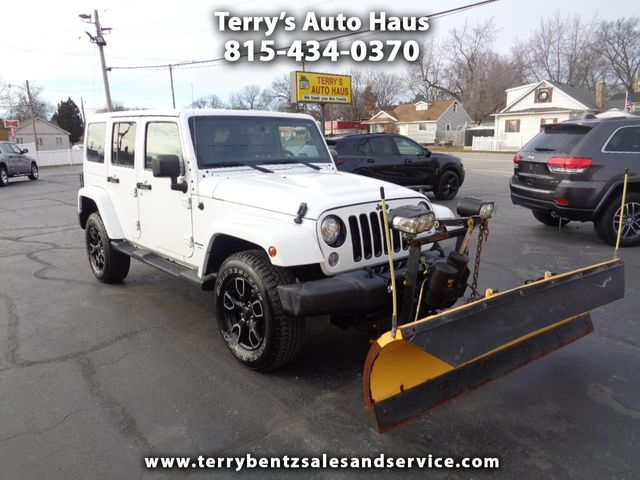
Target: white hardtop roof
[(199, 112)]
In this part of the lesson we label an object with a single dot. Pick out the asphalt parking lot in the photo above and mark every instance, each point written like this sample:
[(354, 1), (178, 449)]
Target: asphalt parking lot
[(95, 377)]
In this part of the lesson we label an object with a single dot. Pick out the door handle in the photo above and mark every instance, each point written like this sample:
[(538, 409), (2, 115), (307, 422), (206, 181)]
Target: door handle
[(370, 160), (113, 180), (407, 160), (143, 186)]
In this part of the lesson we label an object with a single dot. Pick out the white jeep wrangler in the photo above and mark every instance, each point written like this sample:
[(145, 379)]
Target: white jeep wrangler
[(251, 206)]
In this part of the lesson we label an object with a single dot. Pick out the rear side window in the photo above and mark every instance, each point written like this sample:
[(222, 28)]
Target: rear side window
[(124, 144), (163, 138), (625, 139), (95, 142), (557, 138)]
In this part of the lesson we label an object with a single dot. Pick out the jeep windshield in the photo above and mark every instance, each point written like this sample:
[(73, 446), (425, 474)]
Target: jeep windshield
[(223, 140)]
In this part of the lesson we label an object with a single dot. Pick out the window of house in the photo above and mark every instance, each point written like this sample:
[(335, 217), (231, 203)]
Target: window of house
[(512, 126), (95, 142), (447, 127), (545, 121), (422, 126), (163, 138), (58, 141), (625, 139), (543, 95), (455, 107), (39, 140), (124, 144)]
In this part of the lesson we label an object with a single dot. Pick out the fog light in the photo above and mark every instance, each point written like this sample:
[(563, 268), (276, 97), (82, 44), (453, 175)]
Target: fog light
[(333, 259)]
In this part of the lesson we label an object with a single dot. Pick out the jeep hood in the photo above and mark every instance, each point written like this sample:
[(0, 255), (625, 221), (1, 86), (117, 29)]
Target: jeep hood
[(283, 192)]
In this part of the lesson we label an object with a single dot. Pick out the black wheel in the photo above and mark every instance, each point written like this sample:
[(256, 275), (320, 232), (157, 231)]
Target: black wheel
[(448, 185), (107, 264), (548, 219), (4, 177), (33, 175), (250, 316), (606, 225)]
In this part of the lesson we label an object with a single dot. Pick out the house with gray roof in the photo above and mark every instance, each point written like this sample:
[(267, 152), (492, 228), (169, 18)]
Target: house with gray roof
[(50, 135), (530, 107)]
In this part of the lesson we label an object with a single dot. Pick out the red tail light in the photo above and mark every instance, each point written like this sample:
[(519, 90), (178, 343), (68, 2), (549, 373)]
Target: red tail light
[(339, 162), (568, 164), (516, 158)]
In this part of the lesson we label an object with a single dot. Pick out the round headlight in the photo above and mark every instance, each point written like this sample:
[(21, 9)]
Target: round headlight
[(330, 229)]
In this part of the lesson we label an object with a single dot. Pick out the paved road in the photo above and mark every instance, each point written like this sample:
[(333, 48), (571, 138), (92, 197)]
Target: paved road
[(94, 377)]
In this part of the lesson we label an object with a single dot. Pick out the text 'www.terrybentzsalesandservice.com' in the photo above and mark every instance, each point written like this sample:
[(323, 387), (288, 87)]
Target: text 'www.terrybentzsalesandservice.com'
[(331, 49)]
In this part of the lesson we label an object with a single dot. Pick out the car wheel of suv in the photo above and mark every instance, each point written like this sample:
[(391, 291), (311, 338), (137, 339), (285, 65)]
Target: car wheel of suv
[(606, 225), (447, 186), (34, 172), (548, 219), (107, 264), (253, 324), (4, 178)]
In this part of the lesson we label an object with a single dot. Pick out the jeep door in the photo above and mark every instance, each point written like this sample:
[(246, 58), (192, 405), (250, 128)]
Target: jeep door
[(121, 175), (165, 214)]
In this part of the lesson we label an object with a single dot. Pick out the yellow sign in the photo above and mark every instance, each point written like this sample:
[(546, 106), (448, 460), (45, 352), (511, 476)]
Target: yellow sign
[(314, 87)]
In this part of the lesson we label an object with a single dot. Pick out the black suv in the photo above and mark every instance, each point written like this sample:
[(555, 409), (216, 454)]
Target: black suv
[(574, 170), (398, 159)]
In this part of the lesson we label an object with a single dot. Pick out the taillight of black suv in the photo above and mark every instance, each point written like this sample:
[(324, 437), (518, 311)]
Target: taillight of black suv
[(574, 171)]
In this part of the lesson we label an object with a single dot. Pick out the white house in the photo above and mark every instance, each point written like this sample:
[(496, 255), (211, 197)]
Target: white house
[(531, 106), (50, 136), (424, 122)]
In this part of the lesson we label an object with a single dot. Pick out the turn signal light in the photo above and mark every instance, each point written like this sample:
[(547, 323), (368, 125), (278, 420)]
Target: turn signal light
[(568, 164), (516, 158)]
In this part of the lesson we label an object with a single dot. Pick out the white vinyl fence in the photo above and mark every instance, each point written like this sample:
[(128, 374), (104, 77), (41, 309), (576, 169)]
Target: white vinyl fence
[(47, 158), (495, 144)]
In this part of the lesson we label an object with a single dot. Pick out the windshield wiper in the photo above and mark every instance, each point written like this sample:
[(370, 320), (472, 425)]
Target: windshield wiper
[(544, 149), (288, 161), (239, 164)]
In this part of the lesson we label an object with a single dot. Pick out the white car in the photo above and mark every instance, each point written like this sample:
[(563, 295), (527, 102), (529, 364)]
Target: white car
[(227, 200)]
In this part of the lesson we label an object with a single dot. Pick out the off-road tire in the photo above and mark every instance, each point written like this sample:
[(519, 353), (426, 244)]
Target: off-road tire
[(447, 186), (283, 334), (34, 172), (107, 264), (4, 177), (604, 224), (547, 219)]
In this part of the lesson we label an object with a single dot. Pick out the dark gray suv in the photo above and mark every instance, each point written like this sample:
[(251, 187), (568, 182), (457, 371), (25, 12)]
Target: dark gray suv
[(14, 163), (574, 170)]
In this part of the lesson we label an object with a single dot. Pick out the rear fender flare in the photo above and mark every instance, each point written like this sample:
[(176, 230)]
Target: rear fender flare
[(105, 208), (295, 244), (633, 185)]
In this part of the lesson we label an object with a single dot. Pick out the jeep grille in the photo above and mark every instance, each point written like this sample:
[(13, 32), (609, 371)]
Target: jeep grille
[(367, 236)]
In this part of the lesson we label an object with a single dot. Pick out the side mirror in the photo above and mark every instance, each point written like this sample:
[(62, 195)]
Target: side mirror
[(169, 166), (334, 155), (427, 152), (166, 166), (25, 150)]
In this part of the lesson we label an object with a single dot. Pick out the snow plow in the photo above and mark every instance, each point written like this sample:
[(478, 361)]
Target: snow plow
[(433, 352)]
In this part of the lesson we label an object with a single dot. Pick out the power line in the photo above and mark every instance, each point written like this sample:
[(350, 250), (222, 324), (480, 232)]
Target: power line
[(343, 35)]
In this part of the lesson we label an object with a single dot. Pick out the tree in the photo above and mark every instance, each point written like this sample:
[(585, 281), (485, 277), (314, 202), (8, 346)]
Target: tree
[(619, 43), (561, 50), (386, 88), (279, 96), (68, 117), (209, 101), (15, 101), (423, 77), (250, 98)]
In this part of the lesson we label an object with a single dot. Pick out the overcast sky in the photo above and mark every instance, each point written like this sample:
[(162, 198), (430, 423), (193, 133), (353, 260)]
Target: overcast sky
[(46, 44)]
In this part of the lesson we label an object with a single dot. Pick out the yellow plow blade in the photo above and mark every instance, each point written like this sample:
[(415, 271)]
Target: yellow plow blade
[(435, 359)]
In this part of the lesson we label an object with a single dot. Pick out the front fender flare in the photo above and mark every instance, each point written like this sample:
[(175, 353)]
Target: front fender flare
[(295, 244), (105, 207)]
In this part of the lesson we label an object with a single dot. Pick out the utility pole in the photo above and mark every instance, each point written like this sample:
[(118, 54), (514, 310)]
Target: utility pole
[(33, 117), (99, 40), (84, 120), (173, 95)]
